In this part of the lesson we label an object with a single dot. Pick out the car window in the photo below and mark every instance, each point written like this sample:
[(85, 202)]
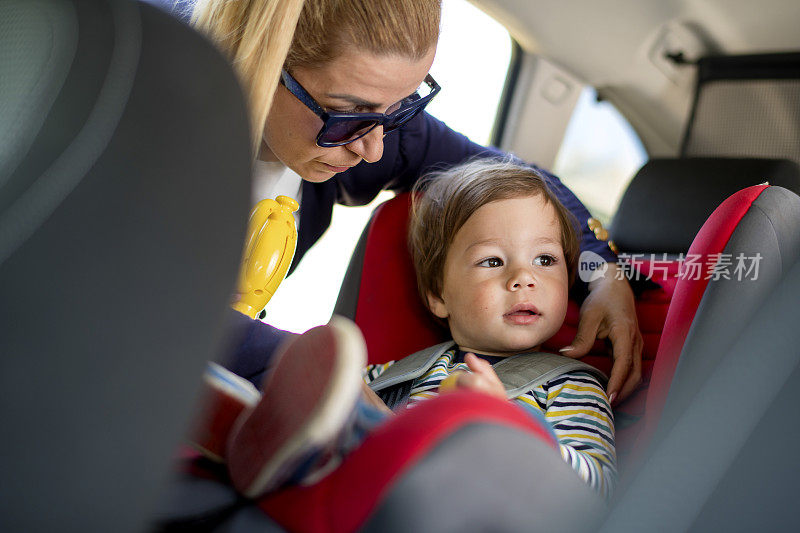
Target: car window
[(472, 74), (472, 71), (599, 155)]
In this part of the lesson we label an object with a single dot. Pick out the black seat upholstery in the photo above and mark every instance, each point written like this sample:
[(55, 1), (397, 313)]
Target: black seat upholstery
[(668, 200), (124, 190)]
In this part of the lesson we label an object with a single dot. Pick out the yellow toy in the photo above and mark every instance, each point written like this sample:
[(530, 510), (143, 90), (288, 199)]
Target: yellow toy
[(450, 383), (268, 252)]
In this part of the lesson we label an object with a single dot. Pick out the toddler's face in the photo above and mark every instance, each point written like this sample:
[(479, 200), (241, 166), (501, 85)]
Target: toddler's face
[(505, 278)]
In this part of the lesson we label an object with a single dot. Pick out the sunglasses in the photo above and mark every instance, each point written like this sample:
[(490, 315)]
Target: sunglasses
[(343, 128)]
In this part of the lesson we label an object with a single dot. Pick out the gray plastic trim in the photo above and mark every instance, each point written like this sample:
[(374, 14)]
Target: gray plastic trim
[(37, 45), (33, 208)]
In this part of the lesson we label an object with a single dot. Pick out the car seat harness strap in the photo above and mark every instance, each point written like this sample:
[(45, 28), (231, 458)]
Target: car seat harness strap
[(519, 373)]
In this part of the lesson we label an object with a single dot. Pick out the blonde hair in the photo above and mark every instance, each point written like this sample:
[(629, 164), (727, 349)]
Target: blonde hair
[(255, 35), (442, 202), (260, 37), (407, 28)]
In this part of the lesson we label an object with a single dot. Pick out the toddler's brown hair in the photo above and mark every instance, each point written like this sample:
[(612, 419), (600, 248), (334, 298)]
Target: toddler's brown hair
[(443, 201)]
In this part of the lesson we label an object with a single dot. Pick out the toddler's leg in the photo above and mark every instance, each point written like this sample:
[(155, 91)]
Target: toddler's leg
[(307, 400)]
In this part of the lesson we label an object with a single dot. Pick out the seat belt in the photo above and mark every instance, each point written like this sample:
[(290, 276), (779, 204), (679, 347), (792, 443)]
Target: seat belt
[(518, 373), (525, 371)]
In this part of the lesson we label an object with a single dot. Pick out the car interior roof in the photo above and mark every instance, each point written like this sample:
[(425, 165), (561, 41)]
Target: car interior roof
[(619, 48)]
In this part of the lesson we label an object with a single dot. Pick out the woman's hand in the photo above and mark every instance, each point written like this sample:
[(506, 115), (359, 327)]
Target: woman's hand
[(482, 378), (609, 312)]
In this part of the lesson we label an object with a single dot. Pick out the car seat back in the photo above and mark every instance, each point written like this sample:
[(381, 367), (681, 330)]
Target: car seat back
[(659, 215), (742, 251), (725, 455), (124, 189), (379, 292)]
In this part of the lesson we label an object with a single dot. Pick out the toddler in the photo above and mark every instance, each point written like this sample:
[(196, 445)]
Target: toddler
[(495, 254)]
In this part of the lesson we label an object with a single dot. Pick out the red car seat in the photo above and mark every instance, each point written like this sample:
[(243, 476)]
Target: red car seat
[(436, 456), (722, 453), (659, 216), (380, 294), (654, 227), (758, 223)]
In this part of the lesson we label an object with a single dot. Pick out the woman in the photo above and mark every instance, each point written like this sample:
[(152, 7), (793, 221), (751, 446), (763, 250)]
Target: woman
[(346, 121)]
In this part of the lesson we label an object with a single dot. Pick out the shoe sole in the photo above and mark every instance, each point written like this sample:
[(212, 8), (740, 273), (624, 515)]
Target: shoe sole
[(307, 398)]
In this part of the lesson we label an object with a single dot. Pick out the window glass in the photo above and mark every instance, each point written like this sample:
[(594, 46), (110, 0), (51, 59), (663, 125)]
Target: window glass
[(472, 72), (599, 155), (471, 64)]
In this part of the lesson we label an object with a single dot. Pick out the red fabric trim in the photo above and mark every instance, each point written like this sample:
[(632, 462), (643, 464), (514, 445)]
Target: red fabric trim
[(712, 238), (344, 500), (388, 266)]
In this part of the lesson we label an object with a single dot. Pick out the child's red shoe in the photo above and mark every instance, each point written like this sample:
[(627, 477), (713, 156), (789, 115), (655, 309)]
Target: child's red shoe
[(225, 397), (308, 397)]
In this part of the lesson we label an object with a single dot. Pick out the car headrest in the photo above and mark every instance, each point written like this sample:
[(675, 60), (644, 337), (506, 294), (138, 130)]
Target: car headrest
[(668, 200), (124, 192)]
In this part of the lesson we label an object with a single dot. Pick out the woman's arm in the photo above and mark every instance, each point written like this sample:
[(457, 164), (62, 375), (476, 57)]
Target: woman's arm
[(249, 346)]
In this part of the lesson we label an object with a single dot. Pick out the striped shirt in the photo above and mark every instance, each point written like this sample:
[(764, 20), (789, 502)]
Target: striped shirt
[(574, 404)]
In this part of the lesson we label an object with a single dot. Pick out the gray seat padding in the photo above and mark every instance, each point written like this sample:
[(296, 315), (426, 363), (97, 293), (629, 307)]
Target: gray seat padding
[(726, 459), (124, 193), (713, 405), (486, 477), (769, 228)]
